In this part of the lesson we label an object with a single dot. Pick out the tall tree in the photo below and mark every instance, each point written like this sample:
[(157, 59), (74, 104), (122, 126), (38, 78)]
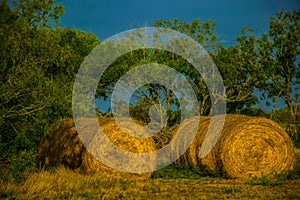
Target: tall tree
[(38, 64), (239, 71), (156, 96), (279, 52)]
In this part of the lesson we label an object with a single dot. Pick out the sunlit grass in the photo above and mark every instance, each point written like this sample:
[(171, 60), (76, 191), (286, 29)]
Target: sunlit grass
[(63, 183)]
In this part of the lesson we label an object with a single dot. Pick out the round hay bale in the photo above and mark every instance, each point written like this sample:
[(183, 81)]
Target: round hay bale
[(248, 146), (191, 155), (123, 140), (64, 147)]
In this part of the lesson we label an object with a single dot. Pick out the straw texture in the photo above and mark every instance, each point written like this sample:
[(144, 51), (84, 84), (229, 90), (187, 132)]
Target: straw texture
[(248, 146), (64, 147)]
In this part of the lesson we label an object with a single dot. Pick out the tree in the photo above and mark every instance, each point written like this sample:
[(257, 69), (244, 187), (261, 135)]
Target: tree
[(284, 118), (157, 96), (200, 32), (22, 82), (38, 64), (236, 64), (39, 14), (279, 54), (270, 64)]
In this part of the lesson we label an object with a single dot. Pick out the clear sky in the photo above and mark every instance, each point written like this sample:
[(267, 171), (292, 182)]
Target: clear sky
[(108, 17)]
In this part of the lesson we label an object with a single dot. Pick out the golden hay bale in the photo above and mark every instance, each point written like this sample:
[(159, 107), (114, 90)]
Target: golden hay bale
[(190, 156), (248, 146), (123, 140), (65, 147)]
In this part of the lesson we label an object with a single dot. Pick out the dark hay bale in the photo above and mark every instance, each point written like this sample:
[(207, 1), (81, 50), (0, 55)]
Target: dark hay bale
[(64, 147)]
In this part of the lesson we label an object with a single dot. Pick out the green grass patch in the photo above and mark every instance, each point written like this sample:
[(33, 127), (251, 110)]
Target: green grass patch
[(183, 170), (294, 174), (264, 180), (228, 190)]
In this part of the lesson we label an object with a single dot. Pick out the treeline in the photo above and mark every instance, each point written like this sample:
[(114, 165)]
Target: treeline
[(39, 61)]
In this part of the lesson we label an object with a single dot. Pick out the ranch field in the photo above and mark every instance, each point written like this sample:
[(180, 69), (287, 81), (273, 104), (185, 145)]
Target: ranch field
[(169, 183)]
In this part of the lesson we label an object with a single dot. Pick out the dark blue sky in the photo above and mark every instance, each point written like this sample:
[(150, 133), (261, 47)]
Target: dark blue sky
[(108, 17)]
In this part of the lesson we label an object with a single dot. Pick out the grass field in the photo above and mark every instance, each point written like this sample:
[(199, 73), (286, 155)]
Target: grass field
[(173, 182)]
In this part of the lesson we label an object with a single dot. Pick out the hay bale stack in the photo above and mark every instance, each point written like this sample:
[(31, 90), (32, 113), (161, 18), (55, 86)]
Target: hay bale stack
[(248, 146), (64, 147)]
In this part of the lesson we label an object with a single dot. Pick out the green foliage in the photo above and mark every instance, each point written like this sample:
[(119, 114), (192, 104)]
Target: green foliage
[(229, 190), (25, 160), (279, 50), (293, 174), (285, 119), (182, 170), (269, 64), (39, 14), (163, 100), (256, 112), (277, 179), (238, 76), (264, 180), (202, 32), (37, 69)]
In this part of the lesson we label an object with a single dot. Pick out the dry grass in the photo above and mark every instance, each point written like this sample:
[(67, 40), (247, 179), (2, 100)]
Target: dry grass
[(63, 183), (248, 146), (64, 147)]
